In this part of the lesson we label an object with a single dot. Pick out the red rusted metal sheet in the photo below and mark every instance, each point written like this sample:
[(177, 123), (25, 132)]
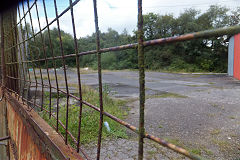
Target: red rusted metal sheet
[(34, 139), (236, 65), (26, 148)]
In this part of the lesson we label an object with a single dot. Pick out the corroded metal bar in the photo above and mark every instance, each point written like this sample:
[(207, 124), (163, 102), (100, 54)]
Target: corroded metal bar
[(63, 126), (196, 35), (99, 79), (46, 62), (10, 56), (38, 133), (64, 69), (54, 62), (141, 81), (55, 19), (54, 116), (173, 147), (202, 34), (34, 38), (79, 78), (31, 56), (127, 125), (4, 80), (140, 45), (22, 52), (38, 55), (25, 54), (17, 63), (24, 15), (14, 54), (4, 138)]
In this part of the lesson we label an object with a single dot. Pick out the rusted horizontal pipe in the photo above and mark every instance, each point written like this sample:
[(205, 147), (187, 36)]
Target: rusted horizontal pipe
[(4, 138), (151, 137), (173, 147), (202, 34)]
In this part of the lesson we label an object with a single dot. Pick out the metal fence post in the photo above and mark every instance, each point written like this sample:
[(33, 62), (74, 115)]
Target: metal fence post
[(99, 79), (141, 81), (15, 69)]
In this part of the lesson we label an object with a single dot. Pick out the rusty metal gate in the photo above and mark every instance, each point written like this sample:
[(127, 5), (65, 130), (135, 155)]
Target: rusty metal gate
[(22, 75)]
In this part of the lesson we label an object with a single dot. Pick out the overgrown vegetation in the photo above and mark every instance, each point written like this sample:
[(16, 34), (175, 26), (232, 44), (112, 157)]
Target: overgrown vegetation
[(90, 117), (190, 56)]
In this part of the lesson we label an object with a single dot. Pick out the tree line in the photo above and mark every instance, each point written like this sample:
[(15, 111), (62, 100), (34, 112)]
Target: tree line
[(192, 56)]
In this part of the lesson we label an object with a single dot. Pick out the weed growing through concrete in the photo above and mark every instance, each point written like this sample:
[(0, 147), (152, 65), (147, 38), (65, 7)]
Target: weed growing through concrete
[(167, 95)]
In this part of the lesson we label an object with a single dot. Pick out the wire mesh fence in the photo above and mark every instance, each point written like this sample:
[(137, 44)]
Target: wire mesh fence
[(30, 68)]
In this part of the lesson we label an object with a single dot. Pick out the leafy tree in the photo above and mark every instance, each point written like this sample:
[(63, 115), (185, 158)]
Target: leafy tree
[(196, 55)]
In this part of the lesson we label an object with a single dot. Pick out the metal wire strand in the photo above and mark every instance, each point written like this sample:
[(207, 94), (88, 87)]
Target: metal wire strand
[(22, 48), (64, 69), (26, 56), (54, 62), (33, 64), (46, 63), (79, 78), (141, 81), (19, 76), (99, 79), (40, 69)]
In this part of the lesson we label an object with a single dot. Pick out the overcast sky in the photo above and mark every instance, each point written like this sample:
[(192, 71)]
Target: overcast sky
[(117, 14)]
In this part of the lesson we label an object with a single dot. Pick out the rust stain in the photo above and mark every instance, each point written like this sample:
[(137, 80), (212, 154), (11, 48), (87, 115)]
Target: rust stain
[(24, 128), (25, 147)]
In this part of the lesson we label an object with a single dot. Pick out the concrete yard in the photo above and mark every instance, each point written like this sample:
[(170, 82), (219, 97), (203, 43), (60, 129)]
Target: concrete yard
[(199, 112)]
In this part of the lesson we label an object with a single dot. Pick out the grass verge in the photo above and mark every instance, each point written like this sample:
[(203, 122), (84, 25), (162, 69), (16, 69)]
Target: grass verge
[(90, 117)]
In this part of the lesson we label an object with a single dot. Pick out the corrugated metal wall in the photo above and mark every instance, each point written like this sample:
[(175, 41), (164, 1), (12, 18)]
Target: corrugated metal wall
[(230, 56), (234, 57)]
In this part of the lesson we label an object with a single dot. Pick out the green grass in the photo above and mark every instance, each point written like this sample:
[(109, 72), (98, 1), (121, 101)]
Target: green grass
[(54, 95), (151, 154), (222, 144), (174, 141), (211, 83), (206, 151), (160, 126), (45, 76), (90, 117), (192, 85), (167, 95), (196, 151), (215, 132), (232, 117)]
